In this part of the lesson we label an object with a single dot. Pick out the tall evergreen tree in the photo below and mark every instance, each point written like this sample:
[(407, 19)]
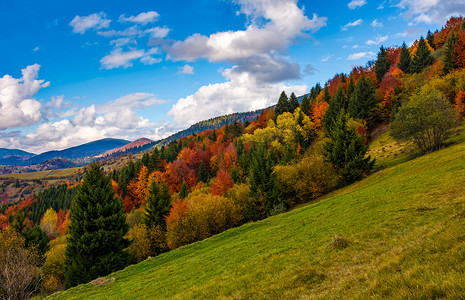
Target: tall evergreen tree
[(96, 243), (405, 60), (326, 95), (183, 191), (305, 105), (202, 175), (337, 104), (382, 64), (158, 205), (422, 57), (448, 58), (293, 103), (430, 39), (347, 152), (363, 100), (350, 88), (283, 105)]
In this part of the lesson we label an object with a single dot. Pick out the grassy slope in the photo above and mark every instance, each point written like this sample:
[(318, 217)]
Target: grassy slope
[(42, 174), (404, 226)]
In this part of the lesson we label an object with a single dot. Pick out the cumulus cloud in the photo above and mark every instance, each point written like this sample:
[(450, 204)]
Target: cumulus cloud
[(17, 105), (431, 11), (352, 24), (360, 55), (240, 92), (117, 58), (134, 101), (122, 42), (378, 40), (135, 31), (356, 3), (93, 21), (273, 26), (186, 69), (142, 18)]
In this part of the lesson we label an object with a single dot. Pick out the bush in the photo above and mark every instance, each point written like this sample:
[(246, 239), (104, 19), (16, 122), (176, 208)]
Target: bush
[(427, 119)]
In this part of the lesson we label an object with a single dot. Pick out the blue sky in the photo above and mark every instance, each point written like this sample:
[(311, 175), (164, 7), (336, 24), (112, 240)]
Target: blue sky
[(74, 72)]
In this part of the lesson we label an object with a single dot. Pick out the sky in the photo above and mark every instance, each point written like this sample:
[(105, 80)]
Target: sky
[(72, 72)]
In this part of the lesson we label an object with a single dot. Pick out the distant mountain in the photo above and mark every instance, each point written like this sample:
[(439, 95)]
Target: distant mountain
[(137, 144), (5, 153), (88, 149)]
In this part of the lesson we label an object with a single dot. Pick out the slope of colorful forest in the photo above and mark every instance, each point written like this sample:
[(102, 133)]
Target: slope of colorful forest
[(407, 103), (396, 234)]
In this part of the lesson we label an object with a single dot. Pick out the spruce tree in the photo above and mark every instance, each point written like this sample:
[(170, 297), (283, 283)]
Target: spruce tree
[(293, 103), (283, 105), (96, 243), (158, 205), (448, 58), (430, 39), (405, 60), (202, 175), (363, 100), (347, 152), (336, 105), (184, 191), (326, 95), (350, 88), (305, 105), (422, 57), (382, 64)]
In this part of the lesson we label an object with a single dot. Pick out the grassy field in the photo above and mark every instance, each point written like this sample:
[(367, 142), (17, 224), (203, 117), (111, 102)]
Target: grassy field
[(397, 234), (42, 174)]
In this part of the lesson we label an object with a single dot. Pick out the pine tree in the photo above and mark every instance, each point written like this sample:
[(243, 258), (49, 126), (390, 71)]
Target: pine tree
[(305, 105), (293, 103), (96, 243), (346, 151), (363, 100), (448, 58), (202, 175), (405, 60), (336, 105), (430, 39), (183, 191), (382, 64), (326, 95), (422, 57), (283, 105), (350, 88), (158, 206)]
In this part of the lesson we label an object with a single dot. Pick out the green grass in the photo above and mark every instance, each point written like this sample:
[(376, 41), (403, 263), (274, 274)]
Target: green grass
[(404, 228), (42, 174)]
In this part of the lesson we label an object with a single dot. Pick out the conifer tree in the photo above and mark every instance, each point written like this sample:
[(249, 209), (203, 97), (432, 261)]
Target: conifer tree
[(405, 60), (293, 103), (336, 105), (158, 205), (448, 58), (305, 105), (96, 243), (183, 191), (326, 96), (363, 100), (422, 57), (347, 152), (202, 175), (430, 39), (350, 88), (382, 64), (283, 105)]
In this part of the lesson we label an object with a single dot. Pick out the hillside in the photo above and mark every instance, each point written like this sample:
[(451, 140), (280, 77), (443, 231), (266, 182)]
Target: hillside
[(396, 234), (135, 144)]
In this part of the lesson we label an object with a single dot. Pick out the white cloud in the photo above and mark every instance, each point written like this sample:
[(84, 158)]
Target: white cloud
[(36, 49), (122, 42), (134, 101), (326, 57), (415, 32), (431, 11), (360, 55), (17, 105), (93, 21), (240, 92), (352, 24), (135, 31), (378, 40), (356, 3), (273, 26), (142, 18), (158, 32), (186, 69), (376, 24), (117, 58)]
